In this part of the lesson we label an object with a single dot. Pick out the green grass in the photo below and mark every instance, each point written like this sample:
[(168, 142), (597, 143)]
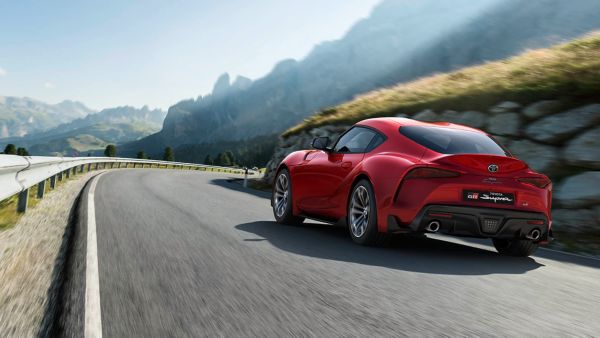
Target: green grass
[(8, 207), (570, 72), (8, 212)]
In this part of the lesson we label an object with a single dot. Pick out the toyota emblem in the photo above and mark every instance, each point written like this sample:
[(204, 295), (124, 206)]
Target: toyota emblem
[(493, 168)]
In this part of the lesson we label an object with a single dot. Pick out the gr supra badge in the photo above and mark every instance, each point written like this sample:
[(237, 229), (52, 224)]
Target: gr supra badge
[(393, 175)]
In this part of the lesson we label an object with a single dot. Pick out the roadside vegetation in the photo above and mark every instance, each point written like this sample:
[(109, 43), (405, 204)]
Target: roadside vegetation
[(571, 69), (11, 149), (8, 206)]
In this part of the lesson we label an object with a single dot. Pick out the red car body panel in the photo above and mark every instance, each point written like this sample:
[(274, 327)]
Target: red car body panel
[(322, 180)]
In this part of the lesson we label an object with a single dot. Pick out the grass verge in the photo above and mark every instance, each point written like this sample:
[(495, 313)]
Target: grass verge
[(570, 72)]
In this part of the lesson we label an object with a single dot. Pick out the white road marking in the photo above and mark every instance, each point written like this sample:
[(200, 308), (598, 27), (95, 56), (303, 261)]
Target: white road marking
[(93, 322)]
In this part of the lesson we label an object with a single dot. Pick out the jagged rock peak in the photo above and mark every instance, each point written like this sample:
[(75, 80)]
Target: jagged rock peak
[(222, 85), (241, 83)]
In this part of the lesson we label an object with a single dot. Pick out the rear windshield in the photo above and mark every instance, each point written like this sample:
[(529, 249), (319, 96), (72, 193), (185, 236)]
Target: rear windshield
[(453, 141)]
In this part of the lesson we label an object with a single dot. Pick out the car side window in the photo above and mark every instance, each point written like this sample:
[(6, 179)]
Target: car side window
[(377, 140), (356, 140)]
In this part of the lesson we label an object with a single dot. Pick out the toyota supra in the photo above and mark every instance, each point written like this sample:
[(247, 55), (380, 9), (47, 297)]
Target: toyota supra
[(388, 176)]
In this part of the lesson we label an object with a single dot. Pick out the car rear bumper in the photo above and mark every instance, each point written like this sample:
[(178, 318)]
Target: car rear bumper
[(476, 222)]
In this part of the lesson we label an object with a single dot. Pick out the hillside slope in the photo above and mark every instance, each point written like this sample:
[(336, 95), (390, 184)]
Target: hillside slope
[(569, 70)]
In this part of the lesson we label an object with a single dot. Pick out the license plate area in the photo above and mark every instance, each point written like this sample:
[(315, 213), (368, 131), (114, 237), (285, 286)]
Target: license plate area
[(489, 197)]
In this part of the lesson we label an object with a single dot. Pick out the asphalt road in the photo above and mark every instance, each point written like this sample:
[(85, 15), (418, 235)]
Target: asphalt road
[(185, 253)]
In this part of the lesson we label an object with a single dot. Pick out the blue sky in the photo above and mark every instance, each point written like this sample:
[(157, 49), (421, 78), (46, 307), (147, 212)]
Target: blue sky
[(118, 52)]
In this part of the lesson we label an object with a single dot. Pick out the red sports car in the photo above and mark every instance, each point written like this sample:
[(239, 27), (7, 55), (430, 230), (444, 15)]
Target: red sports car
[(396, 175)]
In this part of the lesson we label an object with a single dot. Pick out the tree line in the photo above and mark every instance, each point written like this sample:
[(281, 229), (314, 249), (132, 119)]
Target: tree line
[(11, 149)]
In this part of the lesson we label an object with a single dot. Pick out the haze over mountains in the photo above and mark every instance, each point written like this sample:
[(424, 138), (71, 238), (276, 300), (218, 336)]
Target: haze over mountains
[(20, 116), (399, 41), (93, 132)]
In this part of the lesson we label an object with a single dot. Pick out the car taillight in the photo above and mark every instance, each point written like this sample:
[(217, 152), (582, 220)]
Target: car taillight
[(426, 172), (540, 182)]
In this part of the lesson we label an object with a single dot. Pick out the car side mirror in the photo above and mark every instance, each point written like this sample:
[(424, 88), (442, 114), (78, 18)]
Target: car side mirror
[(321, 143)]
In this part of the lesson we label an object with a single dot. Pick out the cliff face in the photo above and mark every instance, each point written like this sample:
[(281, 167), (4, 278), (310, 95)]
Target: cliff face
[(563, 143)]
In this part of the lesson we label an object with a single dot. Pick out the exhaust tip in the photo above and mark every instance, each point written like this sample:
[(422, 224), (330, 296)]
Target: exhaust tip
[(433, 226), (534, 234)]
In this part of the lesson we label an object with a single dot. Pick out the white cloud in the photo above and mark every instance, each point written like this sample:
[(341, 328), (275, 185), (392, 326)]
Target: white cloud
[(2, 72), (49, 85)]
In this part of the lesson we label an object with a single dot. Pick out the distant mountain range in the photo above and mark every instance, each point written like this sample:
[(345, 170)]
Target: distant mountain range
[(401, 40), (20, 116), (93, 132)]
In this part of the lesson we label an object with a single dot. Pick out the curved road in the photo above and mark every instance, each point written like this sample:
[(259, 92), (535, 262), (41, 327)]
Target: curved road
[(187, 253)]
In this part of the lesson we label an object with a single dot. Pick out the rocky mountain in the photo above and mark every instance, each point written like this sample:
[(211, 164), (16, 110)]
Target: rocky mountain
[(20, 116), (93, 132), (401, 40)]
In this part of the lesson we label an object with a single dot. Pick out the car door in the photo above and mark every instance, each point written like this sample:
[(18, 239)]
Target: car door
[(325, 172)]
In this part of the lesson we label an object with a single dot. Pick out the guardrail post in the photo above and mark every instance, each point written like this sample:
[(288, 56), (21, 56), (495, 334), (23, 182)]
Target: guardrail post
[(74, 171), (53, 182), (96, 167), (68, 173), (23, 199), (89, 167), (41, 189), (81, 168)]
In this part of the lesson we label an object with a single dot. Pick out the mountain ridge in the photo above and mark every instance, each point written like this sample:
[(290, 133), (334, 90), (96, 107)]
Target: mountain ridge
[(94, 131), (20, 116)]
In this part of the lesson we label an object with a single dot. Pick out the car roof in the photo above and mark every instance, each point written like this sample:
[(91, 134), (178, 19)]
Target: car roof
[(387, 124)]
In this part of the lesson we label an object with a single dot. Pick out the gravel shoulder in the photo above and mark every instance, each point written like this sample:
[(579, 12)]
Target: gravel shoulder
[(31, 257)]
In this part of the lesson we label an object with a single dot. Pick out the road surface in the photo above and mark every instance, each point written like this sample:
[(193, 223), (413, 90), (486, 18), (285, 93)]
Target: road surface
[(186, 253)]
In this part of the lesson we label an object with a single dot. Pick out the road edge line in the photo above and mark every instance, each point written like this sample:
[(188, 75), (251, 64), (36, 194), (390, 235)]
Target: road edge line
[(93, 320)]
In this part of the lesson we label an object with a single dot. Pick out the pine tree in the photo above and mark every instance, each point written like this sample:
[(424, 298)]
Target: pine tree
[(168, 155), (10, 149), (22, 152), (110, 151)]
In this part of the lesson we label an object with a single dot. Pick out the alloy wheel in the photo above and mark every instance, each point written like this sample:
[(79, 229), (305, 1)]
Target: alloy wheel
[(360, 207), (281, 195)]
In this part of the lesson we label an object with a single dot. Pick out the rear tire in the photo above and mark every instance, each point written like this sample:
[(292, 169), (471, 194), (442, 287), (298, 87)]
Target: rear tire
[(515, 247), (362, 216), (281, 200)]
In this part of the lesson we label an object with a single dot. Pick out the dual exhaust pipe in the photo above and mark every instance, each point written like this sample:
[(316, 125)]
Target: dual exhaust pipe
[(433, 226), (534, 234)]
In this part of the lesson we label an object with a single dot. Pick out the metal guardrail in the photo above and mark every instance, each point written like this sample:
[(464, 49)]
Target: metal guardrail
[(19, 173)]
